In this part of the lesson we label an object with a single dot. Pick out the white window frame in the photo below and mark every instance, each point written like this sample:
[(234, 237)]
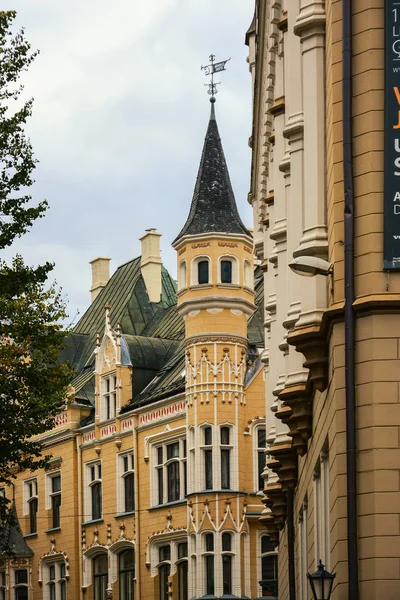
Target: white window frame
[(88, 487), (182, 275), (14, 585), (216, 448), (248, 275), (194, 272), (121, 474), (260, 555), (256, 450), (57, 563), (155, 467), (235, 269), (50, 493), (109, 386)]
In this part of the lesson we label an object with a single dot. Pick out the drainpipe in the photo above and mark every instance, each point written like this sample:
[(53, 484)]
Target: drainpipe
[(290, 539), (349, 317)]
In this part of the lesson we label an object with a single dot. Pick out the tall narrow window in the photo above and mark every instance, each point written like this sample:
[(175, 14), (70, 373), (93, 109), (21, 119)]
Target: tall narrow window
[(95, 490), (261, 444), (322, 509), (248, 277), (31, 490), (109, 399), (269, 568), (209, 563), (100, 577), (164, 569), (171, 473), (203, 271), (126, 569), (225, 459), (127, 489), (226, 271), (182, 571), (57, 583), (182, 275), (55, 500), (208, 466), (21, 584), (227, 563)]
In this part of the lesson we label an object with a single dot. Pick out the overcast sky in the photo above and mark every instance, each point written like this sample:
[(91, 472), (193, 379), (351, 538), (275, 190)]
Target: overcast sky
[(119, 120)]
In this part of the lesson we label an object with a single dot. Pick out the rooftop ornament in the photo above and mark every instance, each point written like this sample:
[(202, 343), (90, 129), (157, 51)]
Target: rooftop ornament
[(213, 67)]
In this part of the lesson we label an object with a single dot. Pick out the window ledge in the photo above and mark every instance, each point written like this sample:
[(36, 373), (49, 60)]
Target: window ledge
[(124, 514), (229, 286), (201, 286), (30, 535), (175, 503), (53, 529), (213, 491), (93, 522)]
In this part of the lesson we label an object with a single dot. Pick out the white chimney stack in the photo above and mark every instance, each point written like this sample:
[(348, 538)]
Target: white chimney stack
[(100, 274), (151, 263)]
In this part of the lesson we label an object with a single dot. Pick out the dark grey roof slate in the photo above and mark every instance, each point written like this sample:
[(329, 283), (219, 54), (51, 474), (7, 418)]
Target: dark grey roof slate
[(12, 541), (213, 207)]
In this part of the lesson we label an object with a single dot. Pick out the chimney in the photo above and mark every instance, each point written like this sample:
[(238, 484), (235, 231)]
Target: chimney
[(100, 274), (151, 263)]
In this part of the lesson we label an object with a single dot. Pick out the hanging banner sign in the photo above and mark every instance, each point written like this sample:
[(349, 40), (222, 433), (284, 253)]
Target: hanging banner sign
[(391, 231)]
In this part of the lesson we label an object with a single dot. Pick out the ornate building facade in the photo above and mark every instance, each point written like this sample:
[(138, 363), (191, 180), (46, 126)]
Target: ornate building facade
[(154, 487), (331, 354)]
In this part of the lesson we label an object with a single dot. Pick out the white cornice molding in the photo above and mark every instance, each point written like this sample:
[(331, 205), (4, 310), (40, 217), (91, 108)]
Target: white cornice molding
[(201, 237), (217, 302)]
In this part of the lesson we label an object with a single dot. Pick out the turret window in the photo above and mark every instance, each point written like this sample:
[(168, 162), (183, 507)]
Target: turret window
[(208, 466), (248, 275), (228, 270), (182, 275), (202, 269), (225, 459)]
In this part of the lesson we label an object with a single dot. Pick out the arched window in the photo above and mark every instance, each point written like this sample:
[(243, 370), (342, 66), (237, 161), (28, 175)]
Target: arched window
[(248, 275), (202, 271), (269, 568), (100, 577), (126, 574), (182, 275), (226, 271), (260, 456), (227, 563), (209, 563)]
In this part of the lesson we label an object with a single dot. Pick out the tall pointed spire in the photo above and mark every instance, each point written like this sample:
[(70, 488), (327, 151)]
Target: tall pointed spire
[(213, 207)]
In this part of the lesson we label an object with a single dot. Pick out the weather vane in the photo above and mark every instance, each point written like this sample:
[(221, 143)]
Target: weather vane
[(213, 67)]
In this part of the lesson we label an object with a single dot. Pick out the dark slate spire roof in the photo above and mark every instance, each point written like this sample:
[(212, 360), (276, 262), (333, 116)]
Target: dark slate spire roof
[(213, 207), (12, 541)]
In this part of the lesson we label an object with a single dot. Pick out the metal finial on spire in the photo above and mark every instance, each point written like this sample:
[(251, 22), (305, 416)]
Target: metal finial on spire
[(213, 67)]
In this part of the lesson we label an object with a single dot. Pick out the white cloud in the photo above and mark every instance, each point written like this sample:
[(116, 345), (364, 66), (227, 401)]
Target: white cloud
[(119, 120)]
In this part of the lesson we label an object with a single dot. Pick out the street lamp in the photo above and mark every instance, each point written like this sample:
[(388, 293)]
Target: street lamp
[(321, 583)]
